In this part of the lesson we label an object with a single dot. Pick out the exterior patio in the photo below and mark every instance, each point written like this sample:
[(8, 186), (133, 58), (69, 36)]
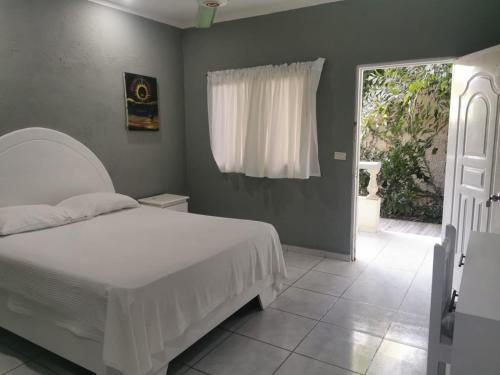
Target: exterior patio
[(369, 208), (411, 227)]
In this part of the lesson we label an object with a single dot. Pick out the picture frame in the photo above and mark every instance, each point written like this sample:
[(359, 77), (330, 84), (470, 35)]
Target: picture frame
[(141, 100)]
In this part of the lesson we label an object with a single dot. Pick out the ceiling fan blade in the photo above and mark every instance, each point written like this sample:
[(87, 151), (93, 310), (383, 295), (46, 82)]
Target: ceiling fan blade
[(205, 17)]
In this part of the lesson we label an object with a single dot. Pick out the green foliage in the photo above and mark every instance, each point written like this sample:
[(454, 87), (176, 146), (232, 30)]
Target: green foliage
[(404, 108)]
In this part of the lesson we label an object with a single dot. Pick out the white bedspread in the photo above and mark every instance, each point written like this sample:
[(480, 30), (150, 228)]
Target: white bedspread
[(138, 278)]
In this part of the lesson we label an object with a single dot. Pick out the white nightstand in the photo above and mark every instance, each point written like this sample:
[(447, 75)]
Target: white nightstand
[(167, 201)]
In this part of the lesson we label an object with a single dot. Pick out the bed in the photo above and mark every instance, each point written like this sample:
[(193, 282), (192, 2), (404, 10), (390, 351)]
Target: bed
[(128, 291)]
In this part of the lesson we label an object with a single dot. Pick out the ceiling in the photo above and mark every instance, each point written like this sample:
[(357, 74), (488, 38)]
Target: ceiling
[(182, 13)]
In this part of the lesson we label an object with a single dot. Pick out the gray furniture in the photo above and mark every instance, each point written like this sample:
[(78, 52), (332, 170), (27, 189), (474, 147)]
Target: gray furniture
[(476, 340)]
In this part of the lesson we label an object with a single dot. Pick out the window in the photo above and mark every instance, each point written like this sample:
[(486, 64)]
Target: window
[(263, 120)]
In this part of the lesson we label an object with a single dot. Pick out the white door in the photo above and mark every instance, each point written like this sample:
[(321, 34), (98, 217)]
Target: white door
[(473, 161)]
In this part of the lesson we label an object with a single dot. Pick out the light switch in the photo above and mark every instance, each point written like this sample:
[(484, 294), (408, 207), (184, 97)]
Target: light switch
[(340, 156)]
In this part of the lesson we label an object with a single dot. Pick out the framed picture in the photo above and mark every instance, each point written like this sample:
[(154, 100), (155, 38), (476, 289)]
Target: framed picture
[(141, 93)]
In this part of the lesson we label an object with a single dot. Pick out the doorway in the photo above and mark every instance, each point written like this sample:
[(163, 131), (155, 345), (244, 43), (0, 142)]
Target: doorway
[(400, 154)]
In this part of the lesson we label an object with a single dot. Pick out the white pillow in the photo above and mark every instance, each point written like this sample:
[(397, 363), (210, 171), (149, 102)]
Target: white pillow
[(86, 206), (18, 219)]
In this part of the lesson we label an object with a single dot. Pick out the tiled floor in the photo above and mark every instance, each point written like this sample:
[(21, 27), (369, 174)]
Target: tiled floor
[(332, 318)]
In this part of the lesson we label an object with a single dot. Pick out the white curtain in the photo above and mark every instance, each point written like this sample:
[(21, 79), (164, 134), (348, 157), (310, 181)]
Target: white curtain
[(263, 120)]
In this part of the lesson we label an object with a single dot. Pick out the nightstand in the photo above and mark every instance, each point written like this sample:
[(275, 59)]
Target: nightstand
[(167, 201)]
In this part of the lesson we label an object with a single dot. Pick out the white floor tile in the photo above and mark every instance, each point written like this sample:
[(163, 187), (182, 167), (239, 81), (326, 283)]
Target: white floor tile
[(203, 346), (9, 359), (410, 242), (304, 302), (194, 372), (174, 368), (382, 287), (341, 268), (20, 345), (400, 258), (242, 356), (369, 245), (360, 317), (397, 359), (239, 318), (278, 328), (417, 301), (322, 282), (388, 276), (423, 279), (294, 274), (409, 329), (418, 298), (338, 346), (283, 288), (376, 294), (31, 369), (60, 366), (299, 365), (299, 260)]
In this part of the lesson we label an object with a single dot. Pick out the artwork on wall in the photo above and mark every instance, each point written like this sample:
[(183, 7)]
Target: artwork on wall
[(141, 94)]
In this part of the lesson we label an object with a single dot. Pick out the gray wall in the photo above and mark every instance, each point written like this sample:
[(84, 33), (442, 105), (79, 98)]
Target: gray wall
[(61, 67), (316, 213)]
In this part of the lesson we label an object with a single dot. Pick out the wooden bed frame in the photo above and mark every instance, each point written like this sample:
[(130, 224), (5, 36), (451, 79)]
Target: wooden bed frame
[(43, 166)]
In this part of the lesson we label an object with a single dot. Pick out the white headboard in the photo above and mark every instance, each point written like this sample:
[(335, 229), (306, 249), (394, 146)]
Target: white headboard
[(44, 166)]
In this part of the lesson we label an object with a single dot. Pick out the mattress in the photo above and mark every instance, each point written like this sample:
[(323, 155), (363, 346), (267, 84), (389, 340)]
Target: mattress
[(136, 279)]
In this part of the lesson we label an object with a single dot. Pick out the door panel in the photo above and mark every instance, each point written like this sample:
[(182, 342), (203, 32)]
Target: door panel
[(472, 173), (476, 124), (475, 157)]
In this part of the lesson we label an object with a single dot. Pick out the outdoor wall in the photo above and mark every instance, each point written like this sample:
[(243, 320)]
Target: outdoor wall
[(316, 213), (437, 161), (61, 67)]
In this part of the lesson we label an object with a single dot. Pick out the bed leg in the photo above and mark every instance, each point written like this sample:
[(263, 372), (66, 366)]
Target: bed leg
[(266, 297)]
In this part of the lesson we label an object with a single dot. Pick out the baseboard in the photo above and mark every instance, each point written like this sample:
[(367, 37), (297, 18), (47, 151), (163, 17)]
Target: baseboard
[(318, 253)]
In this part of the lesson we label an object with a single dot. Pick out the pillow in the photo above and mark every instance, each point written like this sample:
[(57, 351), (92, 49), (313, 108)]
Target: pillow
[(18, 219), (86, 206)]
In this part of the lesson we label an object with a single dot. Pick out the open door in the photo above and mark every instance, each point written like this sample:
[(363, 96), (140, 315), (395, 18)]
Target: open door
[(473, 159)]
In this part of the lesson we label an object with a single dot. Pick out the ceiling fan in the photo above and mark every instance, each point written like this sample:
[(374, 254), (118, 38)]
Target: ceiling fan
[(206, 12)]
